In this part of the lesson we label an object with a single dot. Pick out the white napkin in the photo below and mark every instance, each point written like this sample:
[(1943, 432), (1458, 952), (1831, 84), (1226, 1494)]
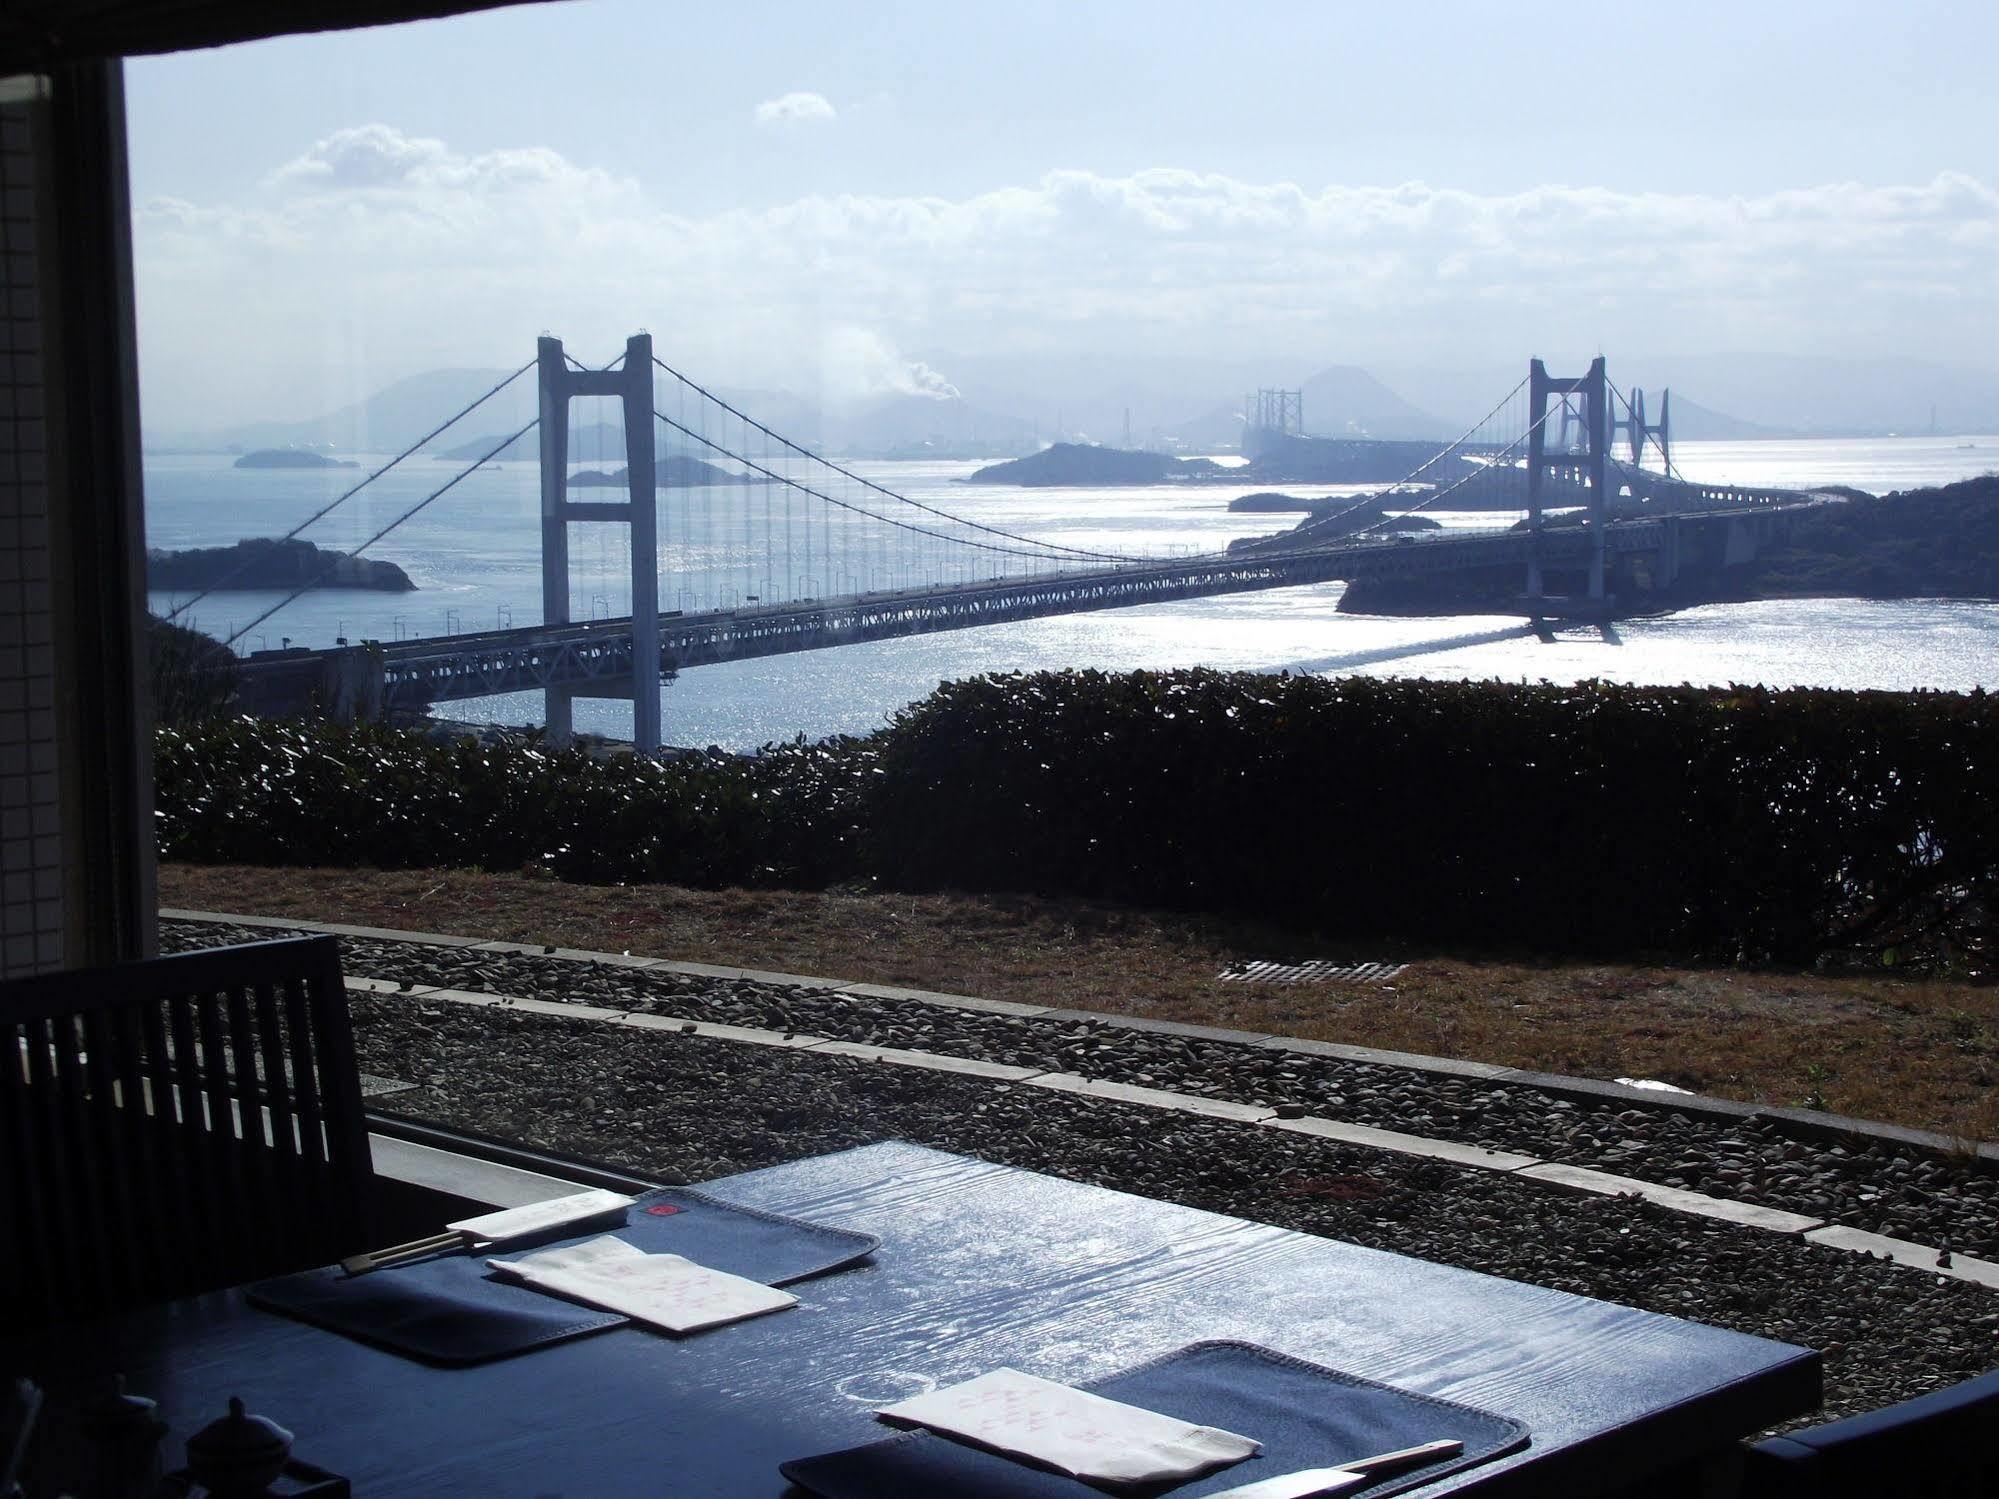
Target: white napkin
[(1081, 1434), (514, 1223), (661, 1290)]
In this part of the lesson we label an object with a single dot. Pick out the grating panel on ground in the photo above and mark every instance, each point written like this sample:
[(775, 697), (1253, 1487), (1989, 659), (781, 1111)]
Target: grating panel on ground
[(1315, 971)]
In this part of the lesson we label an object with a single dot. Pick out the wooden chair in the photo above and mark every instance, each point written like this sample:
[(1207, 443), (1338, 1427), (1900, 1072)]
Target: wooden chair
[(176, 1125), (1943, 1445)]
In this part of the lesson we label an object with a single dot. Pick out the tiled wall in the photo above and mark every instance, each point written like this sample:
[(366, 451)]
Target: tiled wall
[(31, 882)]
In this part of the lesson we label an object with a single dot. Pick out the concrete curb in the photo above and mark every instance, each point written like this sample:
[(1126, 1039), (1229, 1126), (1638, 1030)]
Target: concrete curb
[(1448, 1152), (1902, 1252), (1805, 1124)]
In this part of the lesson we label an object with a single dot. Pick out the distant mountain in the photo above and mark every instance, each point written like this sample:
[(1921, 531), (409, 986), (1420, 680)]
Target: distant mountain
[(386, 422), (1346, 401), (905, 425), (1819, 396), (1340, 401), (790, 415), (1180, 403), (1693, 422), (597, 442), (1733, 396), (521, 449), (1010, 404), (406, 411), (1092, 396)]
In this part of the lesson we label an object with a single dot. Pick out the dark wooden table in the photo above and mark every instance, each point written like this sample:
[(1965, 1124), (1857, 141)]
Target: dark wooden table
[(980, 1266)]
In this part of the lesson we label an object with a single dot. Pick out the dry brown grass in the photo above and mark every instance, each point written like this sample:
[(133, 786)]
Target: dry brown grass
[(1915, 1053)]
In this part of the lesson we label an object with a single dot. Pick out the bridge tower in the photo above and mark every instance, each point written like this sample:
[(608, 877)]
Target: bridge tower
[(1575, 420), (1636, 431), (560, 384), (1269, 419), (1279, 412), (1593, 391)]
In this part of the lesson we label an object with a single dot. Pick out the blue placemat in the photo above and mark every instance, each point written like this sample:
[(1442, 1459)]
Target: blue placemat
[(452, 1310), (1306, 1416)]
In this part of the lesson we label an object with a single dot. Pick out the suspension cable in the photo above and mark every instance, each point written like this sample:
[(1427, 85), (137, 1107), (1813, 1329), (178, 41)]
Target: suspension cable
[(1043, 548), (1504, 452), (702, 391), (328, 509), (1414, 474), (436, 494), (774, 477), (1672, 470), (956, 520)]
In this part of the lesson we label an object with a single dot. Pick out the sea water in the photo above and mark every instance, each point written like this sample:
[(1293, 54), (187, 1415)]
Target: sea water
[(474, 554)]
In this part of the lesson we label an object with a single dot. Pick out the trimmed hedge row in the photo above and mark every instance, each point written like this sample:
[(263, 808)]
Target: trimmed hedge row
[(258, 792), (1593, 818), (1585, 818)]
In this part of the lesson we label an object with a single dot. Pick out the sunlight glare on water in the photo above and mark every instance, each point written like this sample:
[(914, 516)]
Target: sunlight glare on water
[(474, 558)]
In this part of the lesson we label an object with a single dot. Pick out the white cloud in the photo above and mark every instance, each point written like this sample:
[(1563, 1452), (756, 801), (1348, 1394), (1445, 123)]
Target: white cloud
[(362, 157), (856, 363), (796, 109), (418, 255)]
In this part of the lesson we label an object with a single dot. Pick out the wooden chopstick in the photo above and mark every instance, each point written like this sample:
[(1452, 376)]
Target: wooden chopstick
[(395, 1254)]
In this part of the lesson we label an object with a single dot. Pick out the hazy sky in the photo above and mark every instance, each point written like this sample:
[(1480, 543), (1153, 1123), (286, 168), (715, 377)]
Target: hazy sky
[(821, 193)]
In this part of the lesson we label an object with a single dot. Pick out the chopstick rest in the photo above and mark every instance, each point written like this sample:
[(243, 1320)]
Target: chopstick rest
[(1071, 1430)]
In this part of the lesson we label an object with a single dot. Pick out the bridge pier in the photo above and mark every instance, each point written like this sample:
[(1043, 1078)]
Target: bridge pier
[(352, 685), (558, 715), (1667, 569)]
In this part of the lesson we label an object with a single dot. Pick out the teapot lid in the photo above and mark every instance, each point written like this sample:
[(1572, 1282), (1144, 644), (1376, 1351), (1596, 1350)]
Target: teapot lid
[(238, 1435)]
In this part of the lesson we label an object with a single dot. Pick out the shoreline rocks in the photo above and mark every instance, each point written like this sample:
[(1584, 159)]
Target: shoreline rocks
[(267, 562)]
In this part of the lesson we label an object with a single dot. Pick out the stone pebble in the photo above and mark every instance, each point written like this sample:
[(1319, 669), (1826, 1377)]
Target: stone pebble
[(681, 1108), (1888, 1189)]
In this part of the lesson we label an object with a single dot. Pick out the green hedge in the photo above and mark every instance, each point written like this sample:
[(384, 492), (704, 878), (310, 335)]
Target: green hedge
[(251, 791), (1586, 818), (1736, 823)]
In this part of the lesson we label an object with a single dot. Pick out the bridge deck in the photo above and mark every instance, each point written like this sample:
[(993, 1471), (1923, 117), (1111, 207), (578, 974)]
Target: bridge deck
[(596, 657)]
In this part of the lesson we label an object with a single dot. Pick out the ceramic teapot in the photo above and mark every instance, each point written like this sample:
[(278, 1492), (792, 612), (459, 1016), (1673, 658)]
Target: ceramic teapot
[(238, 1456)]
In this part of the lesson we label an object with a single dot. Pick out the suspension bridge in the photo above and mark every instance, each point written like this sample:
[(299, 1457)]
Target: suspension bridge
[(791, 551)]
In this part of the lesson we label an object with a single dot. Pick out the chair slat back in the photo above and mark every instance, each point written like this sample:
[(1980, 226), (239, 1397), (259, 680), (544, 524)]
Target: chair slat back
[(175, 1125)]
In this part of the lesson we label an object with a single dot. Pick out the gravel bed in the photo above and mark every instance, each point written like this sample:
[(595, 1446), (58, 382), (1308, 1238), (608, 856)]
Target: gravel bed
[(686, 1108), (1888, 1189)]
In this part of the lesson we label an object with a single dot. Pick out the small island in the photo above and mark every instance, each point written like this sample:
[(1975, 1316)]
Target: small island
[(265, 563), (1940, 543), (1328, 518), (290, 458), (1082, 463), (1269, 502), (671, 471)]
